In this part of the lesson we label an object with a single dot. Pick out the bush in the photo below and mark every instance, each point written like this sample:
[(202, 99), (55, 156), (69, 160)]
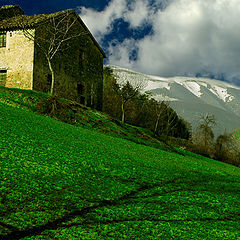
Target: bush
[(57, 108)]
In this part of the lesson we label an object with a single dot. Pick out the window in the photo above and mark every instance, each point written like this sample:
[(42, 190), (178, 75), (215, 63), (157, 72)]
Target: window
[(80, 89), (81, 92), (2, 39), (82, 100), (3, 77)]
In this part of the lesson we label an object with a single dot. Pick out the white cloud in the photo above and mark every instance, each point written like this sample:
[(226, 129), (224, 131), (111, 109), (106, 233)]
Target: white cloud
[(189, 36), (138, 13), (100, 23), (119, 53)]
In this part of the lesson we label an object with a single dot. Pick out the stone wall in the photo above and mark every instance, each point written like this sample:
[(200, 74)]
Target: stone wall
[(78, 66), (78, 70), (17, 59), (94, 77)]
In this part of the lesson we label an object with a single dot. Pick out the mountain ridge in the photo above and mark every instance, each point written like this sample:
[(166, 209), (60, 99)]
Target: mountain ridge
[(191, 97)]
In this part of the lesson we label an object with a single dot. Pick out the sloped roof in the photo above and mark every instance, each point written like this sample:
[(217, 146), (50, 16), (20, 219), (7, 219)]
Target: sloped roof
[(8, 11), (6, 6), (22, 21), (25, 21)]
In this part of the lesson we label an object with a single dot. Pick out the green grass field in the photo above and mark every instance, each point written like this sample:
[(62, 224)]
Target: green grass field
[(59, 181), (80, 116)]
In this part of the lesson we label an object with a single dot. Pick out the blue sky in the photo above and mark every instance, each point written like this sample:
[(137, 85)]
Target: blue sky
[(48, 6), (160, 37)]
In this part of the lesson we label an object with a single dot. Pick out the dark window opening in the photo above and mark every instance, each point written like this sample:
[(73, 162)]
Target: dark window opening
[(2, 39), (81, 92), (80, 89), (82, 100), (3, 77)]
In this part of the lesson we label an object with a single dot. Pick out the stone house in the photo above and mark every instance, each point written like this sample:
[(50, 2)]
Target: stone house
[(78, 68)]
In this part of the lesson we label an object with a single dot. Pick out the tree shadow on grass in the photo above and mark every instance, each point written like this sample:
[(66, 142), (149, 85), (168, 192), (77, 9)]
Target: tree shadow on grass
[(15, 233)]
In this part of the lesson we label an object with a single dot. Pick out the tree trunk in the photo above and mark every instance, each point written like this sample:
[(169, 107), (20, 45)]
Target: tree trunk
[(205, 139), (156, 125), (53, 76), (92, 96), (123, 112)]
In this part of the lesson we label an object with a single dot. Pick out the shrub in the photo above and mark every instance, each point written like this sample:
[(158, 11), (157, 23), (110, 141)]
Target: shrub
[(57, 108)]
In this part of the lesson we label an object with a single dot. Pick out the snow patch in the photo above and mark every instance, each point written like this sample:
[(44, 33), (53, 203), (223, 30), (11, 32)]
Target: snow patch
[(161, 97), (158, 78), (134, 78), (230, 99), (203, 84), (193, 87), (222, 93), (151, 85), (192, 84)]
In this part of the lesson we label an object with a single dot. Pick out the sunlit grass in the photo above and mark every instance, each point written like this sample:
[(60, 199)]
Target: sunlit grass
[(66, 182)]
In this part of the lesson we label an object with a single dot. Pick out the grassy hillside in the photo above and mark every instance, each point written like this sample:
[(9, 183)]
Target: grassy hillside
[(59, 181), (77, 115)]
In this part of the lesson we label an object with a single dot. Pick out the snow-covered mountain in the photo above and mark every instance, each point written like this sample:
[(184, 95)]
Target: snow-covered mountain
[(191, 97)]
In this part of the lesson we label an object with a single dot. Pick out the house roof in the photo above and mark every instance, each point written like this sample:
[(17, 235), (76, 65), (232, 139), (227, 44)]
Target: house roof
[(22, 21), (6, 7), (32, 21), (9, 11)]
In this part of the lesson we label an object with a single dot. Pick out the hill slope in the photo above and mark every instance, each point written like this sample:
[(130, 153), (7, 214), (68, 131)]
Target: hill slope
[(191, 97), (77, 115), (66, 182)]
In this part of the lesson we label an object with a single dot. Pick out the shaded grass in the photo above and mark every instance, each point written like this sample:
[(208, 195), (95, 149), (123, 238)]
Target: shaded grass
[(78, 115), (66, 182)]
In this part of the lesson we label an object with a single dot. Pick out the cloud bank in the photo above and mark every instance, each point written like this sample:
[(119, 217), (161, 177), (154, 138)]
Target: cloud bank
[(188, 37)]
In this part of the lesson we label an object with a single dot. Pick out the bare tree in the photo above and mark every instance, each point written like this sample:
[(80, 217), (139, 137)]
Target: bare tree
[(207, 121), (168, 115), (127, 92), (203, 137), (158, 108), (227, 149), (54, 35), (171, 119)]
